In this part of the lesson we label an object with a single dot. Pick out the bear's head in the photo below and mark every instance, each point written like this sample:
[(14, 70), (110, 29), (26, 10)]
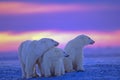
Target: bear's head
[(43, 45), (85, 40), (59, 53), (48, 43)]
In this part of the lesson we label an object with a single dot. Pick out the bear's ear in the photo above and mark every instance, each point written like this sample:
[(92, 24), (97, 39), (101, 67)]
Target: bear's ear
[(43, 41), (89, 38), (82, 36)]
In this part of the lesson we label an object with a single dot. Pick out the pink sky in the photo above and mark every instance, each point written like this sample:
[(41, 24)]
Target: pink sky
[(28, 8), (10, 41)]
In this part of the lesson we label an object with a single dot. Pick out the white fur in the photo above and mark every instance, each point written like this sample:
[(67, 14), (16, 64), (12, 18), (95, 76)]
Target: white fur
[(74, 49), (52, 62), (30, 52)]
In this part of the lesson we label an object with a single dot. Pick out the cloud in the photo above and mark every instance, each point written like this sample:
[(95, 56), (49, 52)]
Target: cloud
[(30, 8), (10, 41)]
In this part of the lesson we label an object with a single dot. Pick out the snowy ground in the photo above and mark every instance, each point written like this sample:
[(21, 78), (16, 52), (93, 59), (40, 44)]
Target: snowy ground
[(102, 68)]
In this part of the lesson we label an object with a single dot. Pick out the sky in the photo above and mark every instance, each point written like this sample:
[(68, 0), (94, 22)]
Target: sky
[(61, 20)]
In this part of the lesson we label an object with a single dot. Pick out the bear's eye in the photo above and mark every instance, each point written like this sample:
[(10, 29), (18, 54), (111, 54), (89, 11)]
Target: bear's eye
[(52, 40), (88, 38)]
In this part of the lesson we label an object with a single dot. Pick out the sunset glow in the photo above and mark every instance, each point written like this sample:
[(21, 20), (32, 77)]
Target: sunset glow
[(32, 20), (10, 41)]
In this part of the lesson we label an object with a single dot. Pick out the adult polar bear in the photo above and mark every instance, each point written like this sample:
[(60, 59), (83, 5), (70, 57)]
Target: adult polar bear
[(74, 49), (52, 62), (30, 51)]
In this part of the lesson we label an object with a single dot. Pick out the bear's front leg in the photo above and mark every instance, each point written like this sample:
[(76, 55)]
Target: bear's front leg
[(79, 62), (35, 73), (62, 68), (47, 72), (45, 69), (79, 66), (29, 71), (58, 69)]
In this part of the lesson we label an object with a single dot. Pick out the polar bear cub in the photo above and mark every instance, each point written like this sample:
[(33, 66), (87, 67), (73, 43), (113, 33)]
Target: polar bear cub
[(30, 51), (52, 62), (74, 49)]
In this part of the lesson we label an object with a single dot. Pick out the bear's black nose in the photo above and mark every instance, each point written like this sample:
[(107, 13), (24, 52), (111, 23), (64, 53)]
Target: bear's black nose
[(66, 55), (56, 44), (92, 42)]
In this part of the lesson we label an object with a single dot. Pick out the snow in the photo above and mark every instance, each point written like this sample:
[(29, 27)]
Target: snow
[(97, 68)]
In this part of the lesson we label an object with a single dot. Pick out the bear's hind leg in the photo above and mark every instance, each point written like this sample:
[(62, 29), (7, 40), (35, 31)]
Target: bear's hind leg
[(23, 70), (68, 65)]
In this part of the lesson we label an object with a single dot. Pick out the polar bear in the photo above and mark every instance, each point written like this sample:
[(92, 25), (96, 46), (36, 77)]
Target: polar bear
[(30, 51), (52, 62), (74, 49)]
